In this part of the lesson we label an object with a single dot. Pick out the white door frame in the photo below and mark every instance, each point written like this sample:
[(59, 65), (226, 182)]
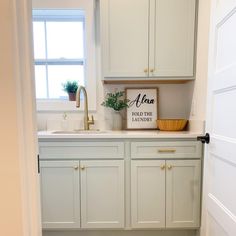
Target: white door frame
[(210, 58), (26, 116)]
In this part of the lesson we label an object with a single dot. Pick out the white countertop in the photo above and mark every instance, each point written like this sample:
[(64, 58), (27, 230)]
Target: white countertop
[(118, 135)]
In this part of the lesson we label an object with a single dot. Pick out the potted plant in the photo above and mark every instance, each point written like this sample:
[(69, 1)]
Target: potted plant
[(116, 102), (70, 87)]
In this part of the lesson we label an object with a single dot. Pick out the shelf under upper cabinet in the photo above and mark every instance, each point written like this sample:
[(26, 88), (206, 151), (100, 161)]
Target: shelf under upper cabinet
[(148, 81)]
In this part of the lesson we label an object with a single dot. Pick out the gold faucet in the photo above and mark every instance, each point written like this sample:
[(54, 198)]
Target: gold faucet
[(87, 121)]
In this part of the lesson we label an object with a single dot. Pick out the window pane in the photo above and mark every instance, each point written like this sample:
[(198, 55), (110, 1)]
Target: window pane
[(39, 40), (40, 82), (65, 40), (60, 74)]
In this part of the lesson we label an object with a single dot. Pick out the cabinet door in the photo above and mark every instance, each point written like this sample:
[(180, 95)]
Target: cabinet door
[(183, 193), (148, 194), (124, 37), (172, 38), (60, 199), (102, 194)]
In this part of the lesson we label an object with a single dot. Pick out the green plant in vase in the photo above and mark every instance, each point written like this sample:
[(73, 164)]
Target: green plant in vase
[(116, 102), (70, 87)]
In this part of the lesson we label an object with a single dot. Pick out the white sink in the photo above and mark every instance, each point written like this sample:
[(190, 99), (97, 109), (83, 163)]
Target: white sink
[(79, 132)]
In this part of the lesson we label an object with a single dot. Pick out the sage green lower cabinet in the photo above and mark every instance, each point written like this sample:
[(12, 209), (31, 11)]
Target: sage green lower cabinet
[(120, 184), (102, 194), (148, 194), (60, 194), (165, 193), (183, 181), (96, 185)]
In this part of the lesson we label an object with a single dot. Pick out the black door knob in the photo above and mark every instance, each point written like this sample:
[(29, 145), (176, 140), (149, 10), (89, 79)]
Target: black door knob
[(204, 139)]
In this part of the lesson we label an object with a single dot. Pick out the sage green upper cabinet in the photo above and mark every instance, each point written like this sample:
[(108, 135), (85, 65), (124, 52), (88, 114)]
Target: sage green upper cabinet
[(172, 38), (124, 32), (147, 39)]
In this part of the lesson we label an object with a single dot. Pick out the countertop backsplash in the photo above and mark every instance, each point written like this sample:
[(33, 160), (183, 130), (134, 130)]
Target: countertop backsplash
[(175, 102)]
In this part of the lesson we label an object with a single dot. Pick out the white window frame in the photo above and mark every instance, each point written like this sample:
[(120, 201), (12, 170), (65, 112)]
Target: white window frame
[(89, 58)]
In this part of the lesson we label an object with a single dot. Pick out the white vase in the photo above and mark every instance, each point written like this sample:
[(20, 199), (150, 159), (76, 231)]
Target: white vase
[(117, 121)]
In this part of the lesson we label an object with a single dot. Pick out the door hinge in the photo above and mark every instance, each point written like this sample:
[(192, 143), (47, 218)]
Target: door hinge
[(38, 164)]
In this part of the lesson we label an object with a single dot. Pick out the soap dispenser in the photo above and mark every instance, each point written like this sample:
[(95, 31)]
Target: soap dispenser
[(64, 122)]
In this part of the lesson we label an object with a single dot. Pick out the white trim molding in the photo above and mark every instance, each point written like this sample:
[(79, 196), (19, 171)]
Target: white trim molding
[(26, 117)]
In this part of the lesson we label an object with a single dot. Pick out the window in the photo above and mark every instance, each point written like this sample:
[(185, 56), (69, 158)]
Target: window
[(64, 45), (58, 50)]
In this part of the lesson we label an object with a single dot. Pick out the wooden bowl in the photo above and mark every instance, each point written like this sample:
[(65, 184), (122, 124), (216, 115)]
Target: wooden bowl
[(171, 124)]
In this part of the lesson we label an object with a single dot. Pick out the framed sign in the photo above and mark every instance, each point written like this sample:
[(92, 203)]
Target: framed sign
[(142, 112)]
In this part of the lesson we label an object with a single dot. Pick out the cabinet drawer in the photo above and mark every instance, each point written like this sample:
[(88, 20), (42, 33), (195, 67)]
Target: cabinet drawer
[(150, 150), (81, 150)]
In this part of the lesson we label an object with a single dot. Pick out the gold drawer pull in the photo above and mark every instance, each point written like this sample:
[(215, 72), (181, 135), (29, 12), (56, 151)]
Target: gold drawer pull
[(145, 70), (166, 150), (76, 167)]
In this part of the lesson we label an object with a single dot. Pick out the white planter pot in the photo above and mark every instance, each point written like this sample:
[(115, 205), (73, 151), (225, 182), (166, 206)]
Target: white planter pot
[(117, 121)]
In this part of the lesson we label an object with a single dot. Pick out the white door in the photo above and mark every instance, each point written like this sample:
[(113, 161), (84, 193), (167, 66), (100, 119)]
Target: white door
[(148, 194), (183, 184), (219, 209), (172, 31), (102, 194), (124, 37), (60, 199)]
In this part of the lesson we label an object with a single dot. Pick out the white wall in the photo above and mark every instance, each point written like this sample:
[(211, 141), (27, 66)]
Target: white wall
[(175, 100), (198, 110)]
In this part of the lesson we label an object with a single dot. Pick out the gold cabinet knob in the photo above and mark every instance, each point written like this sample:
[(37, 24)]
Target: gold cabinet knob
[(76, 167), (163, 167), (151, 70), (82, 167), (169, 167), (146, 70)]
